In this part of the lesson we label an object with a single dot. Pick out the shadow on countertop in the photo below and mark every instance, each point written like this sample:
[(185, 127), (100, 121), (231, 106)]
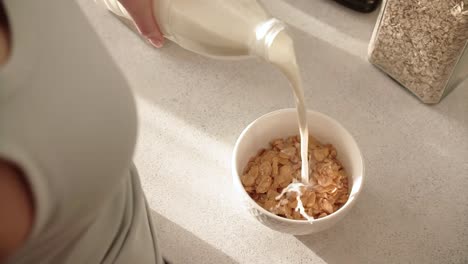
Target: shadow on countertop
[(357, 238), (412, 172), (380, 229), (413, 205), (220, 97), (179, 245)]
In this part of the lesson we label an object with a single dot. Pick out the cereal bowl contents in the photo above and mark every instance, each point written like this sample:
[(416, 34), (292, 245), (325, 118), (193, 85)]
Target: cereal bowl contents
[(268, 173), (337, 166)]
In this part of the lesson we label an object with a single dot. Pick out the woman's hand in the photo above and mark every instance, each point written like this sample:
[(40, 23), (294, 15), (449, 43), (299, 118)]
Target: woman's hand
[(141, 12)]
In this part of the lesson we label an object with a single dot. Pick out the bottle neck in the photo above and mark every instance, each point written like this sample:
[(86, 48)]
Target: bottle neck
[(265, 34)]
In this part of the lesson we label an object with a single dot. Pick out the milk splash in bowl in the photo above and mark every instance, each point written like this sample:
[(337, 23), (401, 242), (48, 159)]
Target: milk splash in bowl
[(296, 187)]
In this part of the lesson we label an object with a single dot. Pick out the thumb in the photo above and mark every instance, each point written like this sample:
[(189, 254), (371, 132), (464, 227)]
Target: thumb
[(141, 12)]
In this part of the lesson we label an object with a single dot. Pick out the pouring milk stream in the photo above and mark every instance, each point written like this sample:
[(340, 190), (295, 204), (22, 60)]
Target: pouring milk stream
[(227, 29)]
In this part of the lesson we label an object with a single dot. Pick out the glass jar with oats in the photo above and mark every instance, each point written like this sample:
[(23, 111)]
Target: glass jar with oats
[(422, 45)]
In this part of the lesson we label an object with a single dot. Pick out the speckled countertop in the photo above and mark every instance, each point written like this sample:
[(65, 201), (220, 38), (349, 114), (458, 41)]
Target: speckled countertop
[(414, 207)]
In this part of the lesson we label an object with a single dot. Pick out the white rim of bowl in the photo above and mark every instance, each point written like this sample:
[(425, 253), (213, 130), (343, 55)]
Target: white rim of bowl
[(237, 175)]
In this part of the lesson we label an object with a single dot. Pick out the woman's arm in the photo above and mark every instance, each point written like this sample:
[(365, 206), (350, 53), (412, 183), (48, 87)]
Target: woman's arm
[(16, 203), (16, 209)]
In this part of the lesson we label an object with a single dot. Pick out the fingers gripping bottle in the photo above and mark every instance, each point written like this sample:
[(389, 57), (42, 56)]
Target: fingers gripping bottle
[(214, 28)]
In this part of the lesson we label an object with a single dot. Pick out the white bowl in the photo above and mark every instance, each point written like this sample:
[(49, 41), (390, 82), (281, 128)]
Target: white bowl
[(281, 124)]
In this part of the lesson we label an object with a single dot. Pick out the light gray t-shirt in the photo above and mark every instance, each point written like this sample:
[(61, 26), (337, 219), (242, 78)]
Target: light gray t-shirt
[(68, 119)]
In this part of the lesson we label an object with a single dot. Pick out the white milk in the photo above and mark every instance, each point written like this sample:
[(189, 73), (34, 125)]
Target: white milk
[(281, 54), (224, 29), (234, 29)]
